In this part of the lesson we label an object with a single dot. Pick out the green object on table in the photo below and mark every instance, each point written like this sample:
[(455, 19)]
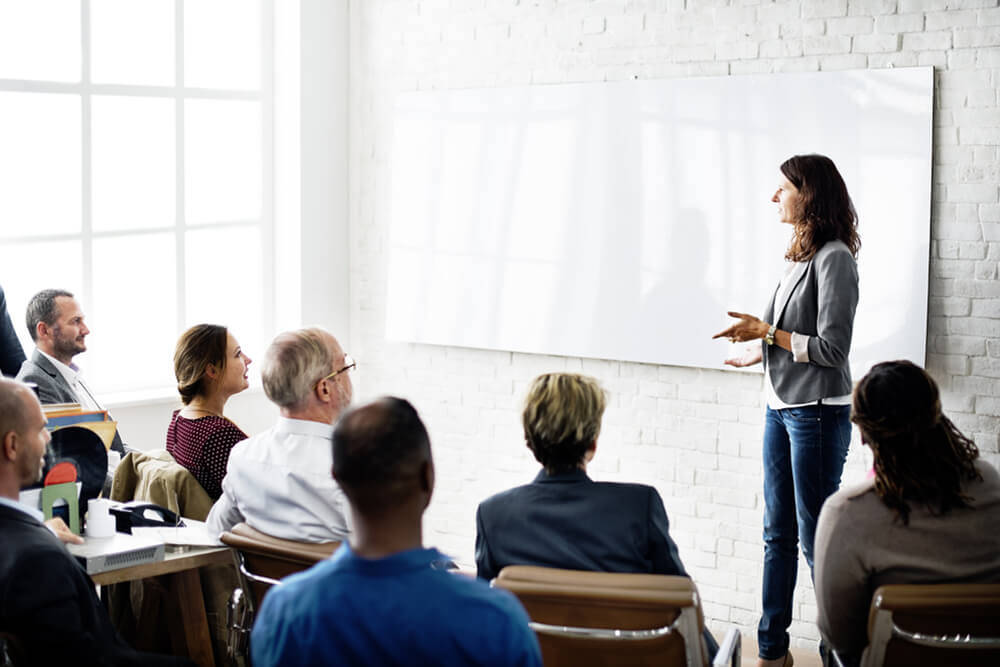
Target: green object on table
[(66, 491)]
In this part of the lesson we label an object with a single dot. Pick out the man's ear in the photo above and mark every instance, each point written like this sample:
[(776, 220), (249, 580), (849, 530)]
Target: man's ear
[(427, 477), (42, 331), (9, 445), (322, 392)]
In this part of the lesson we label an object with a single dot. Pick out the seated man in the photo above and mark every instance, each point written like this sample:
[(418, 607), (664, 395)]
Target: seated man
[(928, 516), (380, 600), (564, 519), (47, 601), (55, 323), (279, 481)]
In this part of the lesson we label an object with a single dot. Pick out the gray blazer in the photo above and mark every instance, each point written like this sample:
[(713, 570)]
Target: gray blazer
[(52, 386), (820, 303)]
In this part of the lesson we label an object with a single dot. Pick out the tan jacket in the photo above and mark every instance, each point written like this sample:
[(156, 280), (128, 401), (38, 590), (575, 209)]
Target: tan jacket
[(154, 476)]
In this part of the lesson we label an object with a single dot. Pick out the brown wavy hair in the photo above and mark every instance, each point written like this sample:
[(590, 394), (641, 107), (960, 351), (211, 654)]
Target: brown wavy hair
[(826, 212), (197, 348), (920, 456)]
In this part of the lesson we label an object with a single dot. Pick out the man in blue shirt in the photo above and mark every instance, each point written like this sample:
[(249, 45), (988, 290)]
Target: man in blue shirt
[(383, 599)]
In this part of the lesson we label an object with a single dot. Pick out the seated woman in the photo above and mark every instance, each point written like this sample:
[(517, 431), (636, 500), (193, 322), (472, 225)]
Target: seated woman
[(563, 518), (210, 367), (929, 515)]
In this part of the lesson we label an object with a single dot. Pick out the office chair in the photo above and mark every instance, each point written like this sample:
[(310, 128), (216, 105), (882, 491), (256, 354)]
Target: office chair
[(261, 561), (934, 624), (600, 618)]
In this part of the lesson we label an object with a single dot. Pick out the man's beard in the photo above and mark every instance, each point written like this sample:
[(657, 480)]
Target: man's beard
[(67, 347)]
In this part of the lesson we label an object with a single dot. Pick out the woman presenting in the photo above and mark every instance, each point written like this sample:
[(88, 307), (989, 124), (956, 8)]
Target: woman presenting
[(805, 341)]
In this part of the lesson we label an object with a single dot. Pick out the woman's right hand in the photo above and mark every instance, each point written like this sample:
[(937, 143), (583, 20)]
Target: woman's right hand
[(751, 355)]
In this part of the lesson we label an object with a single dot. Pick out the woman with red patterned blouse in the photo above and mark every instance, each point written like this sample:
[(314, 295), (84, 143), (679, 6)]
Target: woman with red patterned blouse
[(210, 367)]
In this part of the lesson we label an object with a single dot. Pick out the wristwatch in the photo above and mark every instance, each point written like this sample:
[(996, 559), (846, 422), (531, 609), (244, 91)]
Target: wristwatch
[(769, 338)]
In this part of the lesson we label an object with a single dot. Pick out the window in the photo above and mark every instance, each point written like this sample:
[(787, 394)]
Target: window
[(136, 171)]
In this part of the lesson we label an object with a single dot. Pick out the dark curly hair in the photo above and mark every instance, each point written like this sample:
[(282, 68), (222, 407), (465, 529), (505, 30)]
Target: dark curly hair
[(826, 212), (920, 456)]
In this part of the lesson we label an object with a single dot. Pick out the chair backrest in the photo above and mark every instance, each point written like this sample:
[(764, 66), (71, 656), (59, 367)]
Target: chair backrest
[(934, 624), (262, 559), (599, 618)]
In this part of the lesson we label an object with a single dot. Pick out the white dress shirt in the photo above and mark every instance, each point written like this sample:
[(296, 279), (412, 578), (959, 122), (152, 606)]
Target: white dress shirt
[(74, 378), (33, 512), (279, 482)]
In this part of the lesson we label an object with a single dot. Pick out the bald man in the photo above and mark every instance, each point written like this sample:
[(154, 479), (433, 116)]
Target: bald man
[(47, 601)]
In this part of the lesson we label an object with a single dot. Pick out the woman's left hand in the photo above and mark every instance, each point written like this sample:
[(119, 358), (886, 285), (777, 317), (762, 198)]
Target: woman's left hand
[(748, 328)]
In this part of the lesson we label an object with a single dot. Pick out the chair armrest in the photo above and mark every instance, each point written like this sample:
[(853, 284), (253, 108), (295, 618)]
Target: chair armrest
[(729, 650)]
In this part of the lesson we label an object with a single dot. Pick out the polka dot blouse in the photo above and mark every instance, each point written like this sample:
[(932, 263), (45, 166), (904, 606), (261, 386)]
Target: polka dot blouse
[(202, 446)]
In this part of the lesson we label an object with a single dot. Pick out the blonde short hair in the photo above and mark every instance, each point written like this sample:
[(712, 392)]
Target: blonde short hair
[(562, 417), (293, 363)]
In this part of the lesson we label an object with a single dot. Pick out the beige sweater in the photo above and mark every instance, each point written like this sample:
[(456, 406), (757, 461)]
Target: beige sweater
[(859, 547)]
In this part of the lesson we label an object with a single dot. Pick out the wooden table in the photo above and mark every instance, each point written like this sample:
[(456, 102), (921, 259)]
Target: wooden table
[(188, 622)]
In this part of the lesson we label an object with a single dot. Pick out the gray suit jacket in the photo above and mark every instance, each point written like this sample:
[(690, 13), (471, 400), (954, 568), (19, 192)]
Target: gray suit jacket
[(52, 386), (820, 303)]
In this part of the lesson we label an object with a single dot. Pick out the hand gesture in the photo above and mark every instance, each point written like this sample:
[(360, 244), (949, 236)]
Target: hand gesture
[(748, 328), (751, 355)]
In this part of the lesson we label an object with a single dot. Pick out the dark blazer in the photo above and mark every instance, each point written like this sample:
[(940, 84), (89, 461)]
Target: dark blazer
[(53, 388), (11, 352), (48, 602), (566, 520), (820, 303)]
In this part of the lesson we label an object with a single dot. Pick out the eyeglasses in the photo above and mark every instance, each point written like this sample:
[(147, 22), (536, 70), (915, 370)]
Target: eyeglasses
[(350, 365)]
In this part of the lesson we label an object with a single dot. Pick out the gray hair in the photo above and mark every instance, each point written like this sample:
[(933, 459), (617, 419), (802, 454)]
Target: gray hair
[(293, 363), (42, 308)]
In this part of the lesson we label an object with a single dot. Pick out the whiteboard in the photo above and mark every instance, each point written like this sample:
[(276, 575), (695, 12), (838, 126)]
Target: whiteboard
[(622, 220)]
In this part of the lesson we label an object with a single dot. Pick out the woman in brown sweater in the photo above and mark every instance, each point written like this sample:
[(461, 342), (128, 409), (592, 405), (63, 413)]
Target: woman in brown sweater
[(929, 514)]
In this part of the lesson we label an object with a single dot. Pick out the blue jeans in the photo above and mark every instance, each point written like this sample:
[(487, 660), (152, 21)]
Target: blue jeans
[(804, 453)]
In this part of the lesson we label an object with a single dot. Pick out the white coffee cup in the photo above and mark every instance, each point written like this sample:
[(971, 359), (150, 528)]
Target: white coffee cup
[(100, 523)]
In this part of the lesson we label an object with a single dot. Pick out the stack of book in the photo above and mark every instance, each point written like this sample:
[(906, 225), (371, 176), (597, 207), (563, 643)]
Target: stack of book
[(61, 415)]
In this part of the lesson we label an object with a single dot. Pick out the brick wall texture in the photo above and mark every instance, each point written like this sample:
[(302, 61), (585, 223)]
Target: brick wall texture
[(694, 434)]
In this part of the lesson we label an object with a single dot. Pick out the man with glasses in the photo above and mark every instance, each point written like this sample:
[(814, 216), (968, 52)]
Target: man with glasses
[(279, 481)]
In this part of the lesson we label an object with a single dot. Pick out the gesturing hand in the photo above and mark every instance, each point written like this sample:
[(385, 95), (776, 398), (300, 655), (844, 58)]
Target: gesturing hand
[(751, 355), (748, 328)]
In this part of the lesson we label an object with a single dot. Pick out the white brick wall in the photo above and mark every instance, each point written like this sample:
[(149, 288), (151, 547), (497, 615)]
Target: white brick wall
[(693, 434)]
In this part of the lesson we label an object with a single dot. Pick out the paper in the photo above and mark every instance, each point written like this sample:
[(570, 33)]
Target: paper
[(192, 534)]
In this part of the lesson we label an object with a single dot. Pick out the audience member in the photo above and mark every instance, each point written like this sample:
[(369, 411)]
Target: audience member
[(381, 600), (55, 323), (563, 518), (11, 352), (279, 481), (47, 601), (210, 367), (929, 515)]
